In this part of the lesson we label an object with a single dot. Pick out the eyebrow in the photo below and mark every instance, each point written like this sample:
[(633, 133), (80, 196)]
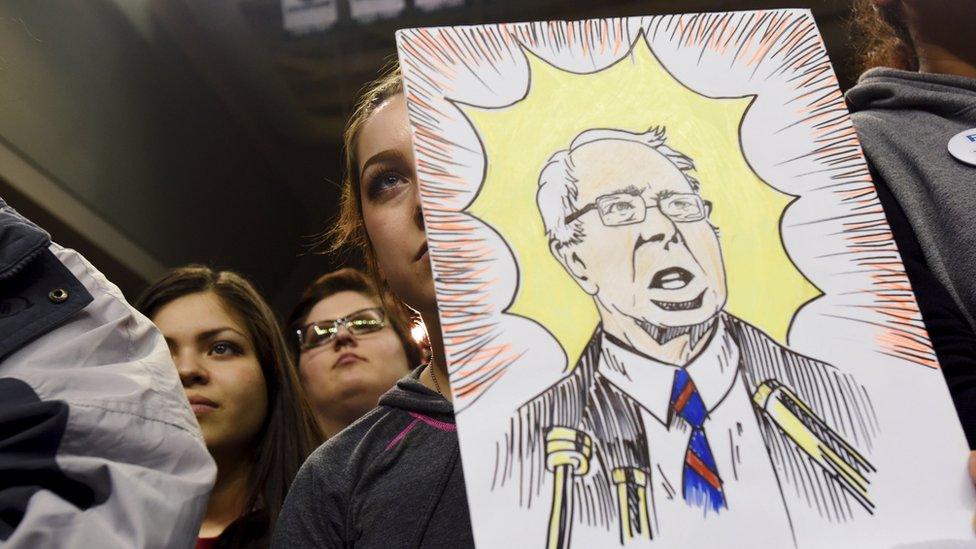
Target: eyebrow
[(389, 155), (210, 334), (207, 335), (629, 189)]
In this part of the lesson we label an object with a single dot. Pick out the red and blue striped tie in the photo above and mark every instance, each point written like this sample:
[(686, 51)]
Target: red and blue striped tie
[(700, 482)]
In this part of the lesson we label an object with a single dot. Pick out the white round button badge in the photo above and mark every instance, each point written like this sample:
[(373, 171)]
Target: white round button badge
[(963, 146)]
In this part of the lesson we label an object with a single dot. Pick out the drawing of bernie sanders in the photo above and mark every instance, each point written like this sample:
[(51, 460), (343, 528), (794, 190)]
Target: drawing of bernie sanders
[(679, 422)]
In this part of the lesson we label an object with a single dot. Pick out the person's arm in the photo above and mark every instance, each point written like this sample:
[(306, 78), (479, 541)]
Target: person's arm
[(951, 336), (314, 513), (98, 445)]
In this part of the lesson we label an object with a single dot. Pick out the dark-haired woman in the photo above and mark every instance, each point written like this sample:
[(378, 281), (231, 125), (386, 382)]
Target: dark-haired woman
[(241, 384), (919, 94), (351, 348)]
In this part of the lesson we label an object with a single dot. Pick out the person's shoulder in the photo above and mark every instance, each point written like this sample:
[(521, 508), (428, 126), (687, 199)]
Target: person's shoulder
[(756, 346), (575, 382), (335, 471), (570, 384), (358, 443), (322, 500)]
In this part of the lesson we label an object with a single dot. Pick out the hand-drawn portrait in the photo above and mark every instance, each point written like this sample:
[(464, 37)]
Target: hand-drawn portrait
[(674, 403), (672, 307)]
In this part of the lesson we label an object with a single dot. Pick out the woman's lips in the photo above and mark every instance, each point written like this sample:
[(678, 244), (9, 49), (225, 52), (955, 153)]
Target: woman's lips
[(202, 405), (346, 359)]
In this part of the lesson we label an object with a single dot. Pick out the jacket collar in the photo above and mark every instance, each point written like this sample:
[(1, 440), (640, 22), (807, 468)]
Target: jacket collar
[(649, 382), (20, 241)]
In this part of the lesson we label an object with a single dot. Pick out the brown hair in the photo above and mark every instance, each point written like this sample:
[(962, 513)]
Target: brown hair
[(885, 38), (289, 433), (349, 231), (352, 280)]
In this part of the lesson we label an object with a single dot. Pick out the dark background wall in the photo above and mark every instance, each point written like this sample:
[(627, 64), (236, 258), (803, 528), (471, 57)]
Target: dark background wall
[(154, 133)]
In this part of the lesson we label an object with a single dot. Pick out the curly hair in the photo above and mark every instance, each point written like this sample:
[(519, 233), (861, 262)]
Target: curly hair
[(885, 38)]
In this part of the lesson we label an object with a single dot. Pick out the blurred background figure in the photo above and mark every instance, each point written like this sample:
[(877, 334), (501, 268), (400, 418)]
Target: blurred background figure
[(917, 96), (351, 347), (241, 384)]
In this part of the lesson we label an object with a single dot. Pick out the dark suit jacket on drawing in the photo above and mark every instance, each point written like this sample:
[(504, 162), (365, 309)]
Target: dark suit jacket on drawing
[(587, 401)]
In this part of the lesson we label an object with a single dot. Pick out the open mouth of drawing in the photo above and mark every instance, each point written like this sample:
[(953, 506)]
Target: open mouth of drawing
[(680, 305), (672, 278)]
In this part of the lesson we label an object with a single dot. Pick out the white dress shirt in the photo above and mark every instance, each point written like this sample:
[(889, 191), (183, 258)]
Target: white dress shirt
[(756, 515)]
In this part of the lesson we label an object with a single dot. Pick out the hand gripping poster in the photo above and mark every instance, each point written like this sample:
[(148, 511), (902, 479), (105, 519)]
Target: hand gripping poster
[(673, 311)]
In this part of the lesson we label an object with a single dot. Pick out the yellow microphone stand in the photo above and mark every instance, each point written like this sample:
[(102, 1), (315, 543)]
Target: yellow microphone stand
[(568, 453), (815, 438)]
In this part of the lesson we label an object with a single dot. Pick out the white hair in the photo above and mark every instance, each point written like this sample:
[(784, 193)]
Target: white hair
[(558, 191)]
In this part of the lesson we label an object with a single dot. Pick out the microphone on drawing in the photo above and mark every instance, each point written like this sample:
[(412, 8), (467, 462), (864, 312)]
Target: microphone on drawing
[(568, 453), (821, 443)]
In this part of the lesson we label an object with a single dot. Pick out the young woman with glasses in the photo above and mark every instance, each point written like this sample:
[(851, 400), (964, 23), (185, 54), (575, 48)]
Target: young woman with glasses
[(239, 378), (350, 348)]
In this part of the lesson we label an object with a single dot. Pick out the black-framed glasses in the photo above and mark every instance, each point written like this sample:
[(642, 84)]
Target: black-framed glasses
[(323, 332), (625, 208)]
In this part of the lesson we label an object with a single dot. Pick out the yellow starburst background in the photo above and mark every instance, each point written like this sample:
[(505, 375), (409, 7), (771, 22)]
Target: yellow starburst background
[(634, 94)]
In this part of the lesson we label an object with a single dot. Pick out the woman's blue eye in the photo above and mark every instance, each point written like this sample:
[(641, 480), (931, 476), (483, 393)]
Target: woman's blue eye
[(383, 183)]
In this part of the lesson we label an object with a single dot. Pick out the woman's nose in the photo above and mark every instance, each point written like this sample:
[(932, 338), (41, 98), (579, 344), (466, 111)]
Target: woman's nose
[(343, 338), (419, 215), (191, 370)]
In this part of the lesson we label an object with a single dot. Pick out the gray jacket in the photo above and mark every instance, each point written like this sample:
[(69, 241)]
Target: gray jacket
[(905, 120), (392, 479), (98, 446)]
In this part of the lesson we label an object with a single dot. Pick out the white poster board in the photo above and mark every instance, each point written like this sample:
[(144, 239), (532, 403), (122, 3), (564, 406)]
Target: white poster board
[(673, 311)]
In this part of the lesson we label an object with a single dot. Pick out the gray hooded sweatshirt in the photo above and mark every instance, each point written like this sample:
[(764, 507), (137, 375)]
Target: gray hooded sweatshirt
[(905, 121), (392, 479)]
